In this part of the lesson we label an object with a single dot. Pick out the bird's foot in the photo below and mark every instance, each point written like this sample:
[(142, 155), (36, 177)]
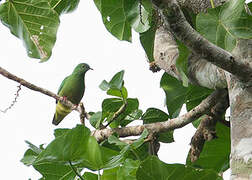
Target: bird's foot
[(75, 106), (64, 98)]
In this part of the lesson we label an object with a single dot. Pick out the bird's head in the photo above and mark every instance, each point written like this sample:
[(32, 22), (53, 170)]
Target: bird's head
[(82, 68)]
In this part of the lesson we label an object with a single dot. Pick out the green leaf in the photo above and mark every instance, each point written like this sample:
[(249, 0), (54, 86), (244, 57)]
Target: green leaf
[(96, 119), (29, 157), (117, 81), (215, 154), (122, 15), (147, 41), (137, 114), (114, 18), (90, 176), (181, 62), (137, 143), (123, 93), (109, 174), (175, 94), (64, 6), (60, 132), (112, 105), (154, 169), (34, 22), (139, 22), (104, 85), (33, 147), (114, 140), (134, 149), (54, 170), (195, 95), (250, 6), (153, 115), (76, 146), (128, 170), (224, 24)]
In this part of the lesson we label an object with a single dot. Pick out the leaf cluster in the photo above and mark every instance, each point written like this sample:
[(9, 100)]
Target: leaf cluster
[(73, 151)]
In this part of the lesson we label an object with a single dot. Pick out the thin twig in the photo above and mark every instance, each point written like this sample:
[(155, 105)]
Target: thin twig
[(75, 171), (39, 89), (14, 101), (117, 113)]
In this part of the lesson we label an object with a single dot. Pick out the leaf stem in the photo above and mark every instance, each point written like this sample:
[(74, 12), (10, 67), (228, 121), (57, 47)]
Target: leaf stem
[(117, 113), (75, 171), (99, 175), (212, 3)]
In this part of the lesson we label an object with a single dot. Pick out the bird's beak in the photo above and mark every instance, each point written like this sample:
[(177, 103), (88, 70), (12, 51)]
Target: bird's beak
[(91, 68)]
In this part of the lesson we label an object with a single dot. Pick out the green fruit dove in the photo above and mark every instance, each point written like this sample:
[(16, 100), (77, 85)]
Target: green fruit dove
[(72, 88)]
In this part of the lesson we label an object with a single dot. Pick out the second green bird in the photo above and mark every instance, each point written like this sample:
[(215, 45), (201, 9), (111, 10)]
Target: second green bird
[(72, 88)]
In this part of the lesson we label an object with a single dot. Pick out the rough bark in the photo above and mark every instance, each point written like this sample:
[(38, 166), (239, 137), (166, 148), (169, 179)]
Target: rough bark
[(240, 95), (175, 20), (236, 69), (200, 72), (206, 129)]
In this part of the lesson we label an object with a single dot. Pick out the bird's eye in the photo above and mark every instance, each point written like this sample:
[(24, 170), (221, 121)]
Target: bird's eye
[(83, 66)]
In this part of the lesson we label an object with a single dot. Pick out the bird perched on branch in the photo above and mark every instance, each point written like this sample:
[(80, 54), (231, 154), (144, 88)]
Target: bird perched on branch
[(72, 88)]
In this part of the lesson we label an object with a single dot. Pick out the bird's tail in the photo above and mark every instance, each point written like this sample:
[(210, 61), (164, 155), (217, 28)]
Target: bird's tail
[(60, 114), (57, 118)]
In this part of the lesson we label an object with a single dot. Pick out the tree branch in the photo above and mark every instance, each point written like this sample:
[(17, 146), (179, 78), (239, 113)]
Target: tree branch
[(206, 129), (39, 89), (168, 125), (175, 20), (100, 135)]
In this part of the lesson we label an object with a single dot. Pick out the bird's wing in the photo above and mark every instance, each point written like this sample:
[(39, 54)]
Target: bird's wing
[(61, 86)]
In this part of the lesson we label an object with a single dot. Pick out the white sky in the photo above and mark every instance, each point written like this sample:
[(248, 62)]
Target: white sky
[(82, 37)]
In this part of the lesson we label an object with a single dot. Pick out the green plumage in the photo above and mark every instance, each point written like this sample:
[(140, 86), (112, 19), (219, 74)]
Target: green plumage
[(72, 87)]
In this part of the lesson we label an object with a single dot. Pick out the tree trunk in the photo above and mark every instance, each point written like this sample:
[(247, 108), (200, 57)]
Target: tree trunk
[(240, 96)]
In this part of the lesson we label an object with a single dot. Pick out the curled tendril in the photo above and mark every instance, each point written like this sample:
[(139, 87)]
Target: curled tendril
[(14, 101)]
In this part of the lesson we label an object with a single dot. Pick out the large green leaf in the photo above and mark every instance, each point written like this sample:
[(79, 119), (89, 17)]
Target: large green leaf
[(54, 170), (34, 22), (224, 24), (77, 146), (215, 154), (195, 95), (64, 6), (154, 169), (128, 170), (139, 22), (175, 94), (119, 16)]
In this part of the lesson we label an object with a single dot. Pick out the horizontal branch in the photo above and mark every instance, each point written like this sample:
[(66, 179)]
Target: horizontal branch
[(171, 124), (39, 89), (174, 19), (168, 125)]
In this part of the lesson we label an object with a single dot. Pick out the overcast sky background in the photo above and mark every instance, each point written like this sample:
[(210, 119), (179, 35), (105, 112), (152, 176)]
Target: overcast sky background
[(81, 37)]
